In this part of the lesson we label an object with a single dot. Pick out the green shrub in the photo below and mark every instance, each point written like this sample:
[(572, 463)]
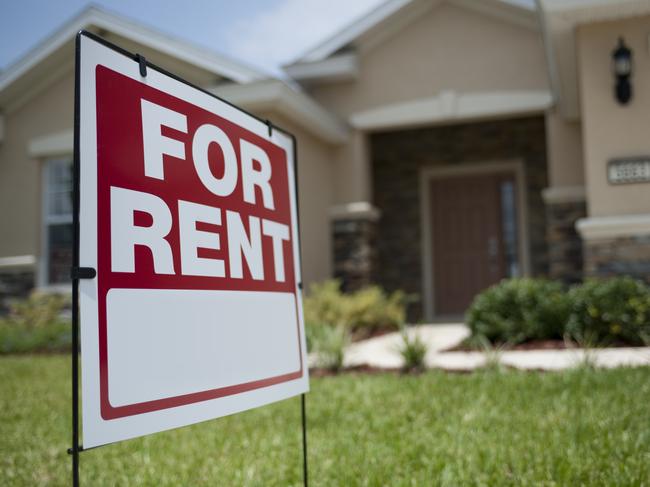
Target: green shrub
[(519, 310), (35, 324), (324, 304), (610, 310), (413, 351), (371, 309), (361, 313)]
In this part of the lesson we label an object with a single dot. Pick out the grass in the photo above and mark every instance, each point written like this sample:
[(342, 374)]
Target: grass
[(582, 427)]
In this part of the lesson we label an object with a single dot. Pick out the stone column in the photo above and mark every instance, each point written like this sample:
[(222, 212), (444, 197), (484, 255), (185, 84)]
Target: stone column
[(616, 245), (14, 283), (354, 235), (564, 207)]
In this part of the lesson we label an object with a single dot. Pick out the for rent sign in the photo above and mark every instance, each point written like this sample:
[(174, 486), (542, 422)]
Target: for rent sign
[(188, 213)]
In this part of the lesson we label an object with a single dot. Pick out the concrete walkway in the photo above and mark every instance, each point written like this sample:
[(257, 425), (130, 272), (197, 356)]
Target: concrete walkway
[(383, 352)]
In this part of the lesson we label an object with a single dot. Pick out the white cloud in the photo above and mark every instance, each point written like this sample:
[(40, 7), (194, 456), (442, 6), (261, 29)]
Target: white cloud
[(278, 35)]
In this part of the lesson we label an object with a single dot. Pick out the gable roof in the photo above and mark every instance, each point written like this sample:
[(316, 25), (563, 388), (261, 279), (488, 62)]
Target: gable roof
[(54, 51), (394, 13)]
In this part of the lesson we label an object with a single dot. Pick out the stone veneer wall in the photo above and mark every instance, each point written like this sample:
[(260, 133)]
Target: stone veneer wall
[(397, 158), (618, 256), (355, 251), (564, 242), (14, 284)]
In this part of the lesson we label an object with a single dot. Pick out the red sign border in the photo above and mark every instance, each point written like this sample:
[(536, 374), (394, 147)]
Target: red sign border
[(109, 412)]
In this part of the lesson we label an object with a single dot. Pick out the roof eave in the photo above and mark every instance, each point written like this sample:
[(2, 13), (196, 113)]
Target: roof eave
[(275, 95), (93, 17)]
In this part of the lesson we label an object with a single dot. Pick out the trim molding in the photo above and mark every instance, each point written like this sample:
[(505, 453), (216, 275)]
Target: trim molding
[(564, 194), (520, 15), (359, 210), (17, 261), (51, 145), (450, 106), (606, 227), (437, 172), (296, 105), (344, 67)]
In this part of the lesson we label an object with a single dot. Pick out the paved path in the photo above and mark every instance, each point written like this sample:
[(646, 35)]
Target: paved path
[(383, 352)]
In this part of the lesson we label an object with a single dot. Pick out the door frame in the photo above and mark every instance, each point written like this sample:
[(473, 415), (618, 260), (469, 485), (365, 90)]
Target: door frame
[(431, 172)]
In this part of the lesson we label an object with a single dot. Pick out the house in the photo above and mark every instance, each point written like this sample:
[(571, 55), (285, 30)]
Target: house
[(36, 137), (442, 144)]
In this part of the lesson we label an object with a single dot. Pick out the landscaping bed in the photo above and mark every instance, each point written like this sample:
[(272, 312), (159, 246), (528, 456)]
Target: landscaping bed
[(470, 346)]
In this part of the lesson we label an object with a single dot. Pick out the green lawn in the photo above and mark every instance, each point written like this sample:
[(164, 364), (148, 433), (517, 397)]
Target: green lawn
[(576, 428)]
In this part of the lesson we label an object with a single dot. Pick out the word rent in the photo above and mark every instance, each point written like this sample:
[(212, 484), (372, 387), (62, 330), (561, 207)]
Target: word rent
[(200, 227)]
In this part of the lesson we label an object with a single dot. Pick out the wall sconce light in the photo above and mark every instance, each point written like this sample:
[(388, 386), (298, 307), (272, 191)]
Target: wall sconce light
[(622, 69)]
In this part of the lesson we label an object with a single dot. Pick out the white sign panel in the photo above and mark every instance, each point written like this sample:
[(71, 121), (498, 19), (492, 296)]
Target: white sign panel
[(188, 214)]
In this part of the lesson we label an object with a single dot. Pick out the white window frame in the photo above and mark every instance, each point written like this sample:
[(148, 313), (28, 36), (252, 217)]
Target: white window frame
[(46, 221)]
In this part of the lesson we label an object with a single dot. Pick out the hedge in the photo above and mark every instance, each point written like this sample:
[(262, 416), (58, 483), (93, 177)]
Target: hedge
[(597, 312)]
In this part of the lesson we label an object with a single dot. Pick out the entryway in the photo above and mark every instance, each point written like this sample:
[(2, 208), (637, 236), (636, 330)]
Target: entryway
[(474, 234)]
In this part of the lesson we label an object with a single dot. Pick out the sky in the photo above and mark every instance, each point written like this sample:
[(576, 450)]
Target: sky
[(262, 33)]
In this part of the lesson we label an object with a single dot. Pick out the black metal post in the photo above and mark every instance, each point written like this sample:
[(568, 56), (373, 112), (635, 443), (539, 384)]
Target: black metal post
[(305, 477), (75, 383), (75, 277)]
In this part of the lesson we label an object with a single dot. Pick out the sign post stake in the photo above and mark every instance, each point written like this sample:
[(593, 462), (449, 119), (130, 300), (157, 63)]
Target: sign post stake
[(76, 273), (74, 451), (303, 408), (75, 279), (75, 390)]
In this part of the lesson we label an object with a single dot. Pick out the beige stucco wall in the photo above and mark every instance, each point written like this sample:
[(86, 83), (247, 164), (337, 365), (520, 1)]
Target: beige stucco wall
[(447, 48), (351, 170), (564, 151), (611, 130), (49, 112)]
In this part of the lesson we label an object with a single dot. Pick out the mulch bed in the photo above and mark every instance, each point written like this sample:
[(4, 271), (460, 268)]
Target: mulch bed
[(359, 369), (364, 335), (532, 345)]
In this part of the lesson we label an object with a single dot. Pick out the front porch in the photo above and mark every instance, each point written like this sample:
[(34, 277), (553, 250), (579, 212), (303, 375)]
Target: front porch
[(459, 207)]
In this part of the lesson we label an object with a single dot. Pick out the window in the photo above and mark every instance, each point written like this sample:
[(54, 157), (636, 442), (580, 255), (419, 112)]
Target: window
[(57, 215), (509, 227)]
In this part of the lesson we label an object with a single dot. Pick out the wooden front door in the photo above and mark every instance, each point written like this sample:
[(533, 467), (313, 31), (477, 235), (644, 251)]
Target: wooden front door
[(474, 237)]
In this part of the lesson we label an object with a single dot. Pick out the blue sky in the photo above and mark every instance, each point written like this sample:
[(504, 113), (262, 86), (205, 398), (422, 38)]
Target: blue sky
[(263, 33)]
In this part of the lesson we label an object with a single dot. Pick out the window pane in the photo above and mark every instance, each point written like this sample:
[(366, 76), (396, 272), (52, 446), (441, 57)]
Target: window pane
[(509, 219), (60, 203), (60, 174), (59, 240), (59, 188)]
